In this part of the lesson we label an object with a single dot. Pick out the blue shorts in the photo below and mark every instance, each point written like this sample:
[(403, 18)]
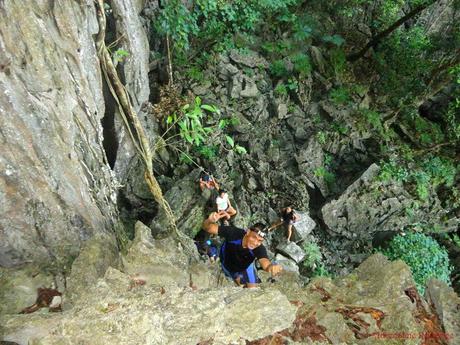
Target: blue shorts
[(212, 251), (247, 276)]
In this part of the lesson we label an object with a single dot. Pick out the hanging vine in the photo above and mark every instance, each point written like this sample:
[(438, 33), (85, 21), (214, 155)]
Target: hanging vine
[(130, 118)]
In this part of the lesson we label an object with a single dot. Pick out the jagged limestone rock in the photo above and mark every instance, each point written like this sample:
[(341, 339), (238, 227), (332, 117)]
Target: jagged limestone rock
[(370, 305), (249, 59), (369, 205), (299, 126), (440, 13), (287, 264), (281, 110), (95, 257), (158, 262), (235, 86), (381, 286), (135, 41), (292, 250), (310, 159), (188, 205), (58, 188), (304, 226), (226, 70), (336, 327), (318, 59), (205, 275), (116, 312), (244, 125), (447, 305), (250, 90), (201, 89)]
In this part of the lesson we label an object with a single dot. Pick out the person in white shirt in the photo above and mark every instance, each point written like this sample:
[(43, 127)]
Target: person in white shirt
[(224, 206)]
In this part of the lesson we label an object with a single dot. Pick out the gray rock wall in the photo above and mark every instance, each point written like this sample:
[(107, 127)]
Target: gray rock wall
[(56, 189), (370, 205)]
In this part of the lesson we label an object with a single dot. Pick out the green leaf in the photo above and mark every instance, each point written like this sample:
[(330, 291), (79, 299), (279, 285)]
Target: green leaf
[(169, 120), (198, 101), (230, 140), (240, 150), (193, 115), (183, 126), (425, 257), (210, 108), (234, 121), (120, 54), (222, 124), (188, 138), (198, 139)]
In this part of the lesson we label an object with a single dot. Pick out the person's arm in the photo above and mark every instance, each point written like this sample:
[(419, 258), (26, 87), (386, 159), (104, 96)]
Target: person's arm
[(275, 225), (269, 267), (216, 185), (261, 254), (210, 224)]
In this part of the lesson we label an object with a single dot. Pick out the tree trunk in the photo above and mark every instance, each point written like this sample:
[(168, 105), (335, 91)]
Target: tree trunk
[(376, 39)]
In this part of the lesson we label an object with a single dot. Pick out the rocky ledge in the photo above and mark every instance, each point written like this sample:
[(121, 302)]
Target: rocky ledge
[(156, 295)]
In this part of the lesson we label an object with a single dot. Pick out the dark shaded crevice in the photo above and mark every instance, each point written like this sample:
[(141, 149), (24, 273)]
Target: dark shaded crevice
[(350, 166), (110, 138), (133, 209), (434, 108), (315, 205), (382, 239), (114, 41), (110, 141), (317, 201)]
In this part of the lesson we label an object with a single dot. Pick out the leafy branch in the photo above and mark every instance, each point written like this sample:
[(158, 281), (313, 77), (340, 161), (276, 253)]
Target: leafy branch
[(193, 131)]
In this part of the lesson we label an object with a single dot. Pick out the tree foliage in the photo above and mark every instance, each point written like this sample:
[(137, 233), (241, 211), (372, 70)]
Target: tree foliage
[(425, 257), (213, 22), (200, 134)]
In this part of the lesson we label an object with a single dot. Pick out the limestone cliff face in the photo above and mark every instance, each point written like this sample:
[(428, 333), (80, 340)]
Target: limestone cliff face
[(134, 70), (56, 188)]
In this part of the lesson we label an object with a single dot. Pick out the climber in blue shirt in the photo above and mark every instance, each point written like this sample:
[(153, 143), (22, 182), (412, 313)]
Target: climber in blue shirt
[(240, 249)]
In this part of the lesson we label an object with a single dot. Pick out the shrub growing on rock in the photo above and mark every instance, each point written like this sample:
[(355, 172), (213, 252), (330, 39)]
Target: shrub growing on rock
[(312, 255), (425, 257), (314, 260)]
